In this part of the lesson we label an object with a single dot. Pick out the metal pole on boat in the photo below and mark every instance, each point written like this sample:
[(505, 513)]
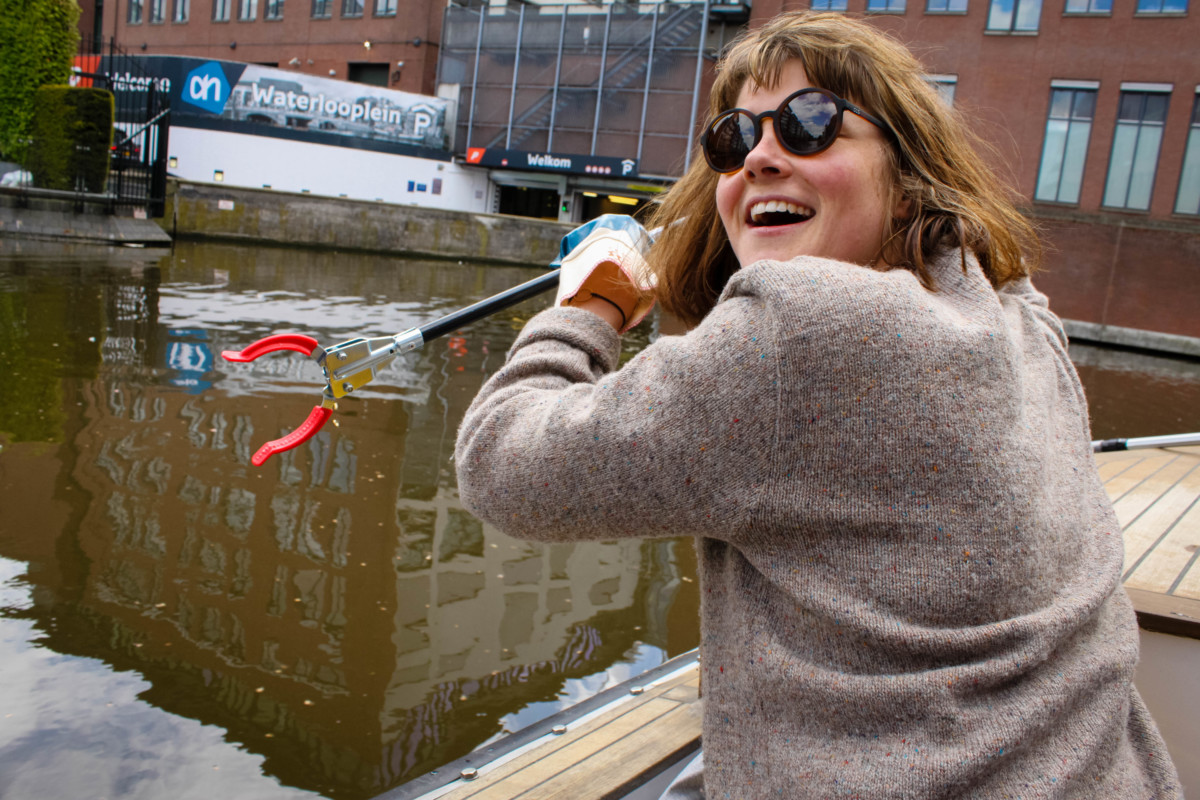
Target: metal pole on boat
[(1172, 440)]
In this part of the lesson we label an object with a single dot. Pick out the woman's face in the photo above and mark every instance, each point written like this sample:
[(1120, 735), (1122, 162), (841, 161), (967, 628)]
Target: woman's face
[(834, 204)]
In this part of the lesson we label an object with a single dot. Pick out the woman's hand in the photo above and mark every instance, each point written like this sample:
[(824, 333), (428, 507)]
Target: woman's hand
[(604, 270)]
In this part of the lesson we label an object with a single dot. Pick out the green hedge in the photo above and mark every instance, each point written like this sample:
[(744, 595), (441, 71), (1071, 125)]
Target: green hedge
[(70, 137), (39, 40)]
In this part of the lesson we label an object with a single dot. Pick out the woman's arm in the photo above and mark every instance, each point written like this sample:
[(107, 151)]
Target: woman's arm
[(559, 446)]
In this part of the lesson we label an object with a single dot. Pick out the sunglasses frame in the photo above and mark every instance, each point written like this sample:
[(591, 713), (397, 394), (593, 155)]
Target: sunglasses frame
[(757, 119)]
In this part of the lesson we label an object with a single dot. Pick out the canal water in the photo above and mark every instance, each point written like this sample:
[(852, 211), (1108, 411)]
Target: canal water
[(176, 622)]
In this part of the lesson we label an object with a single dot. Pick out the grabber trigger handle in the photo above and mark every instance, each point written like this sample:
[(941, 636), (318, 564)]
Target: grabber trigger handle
[(283, 341), (316, 420)]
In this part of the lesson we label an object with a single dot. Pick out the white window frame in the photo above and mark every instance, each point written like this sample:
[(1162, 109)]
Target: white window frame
[(1140, 9), (135, 11), (221, 10), (247, 10), (181, 11), (348, 11), (1019, 16), (385, 8), (273, 10), (1187, 196), (1089, 8), (1135, 180), (1068, 161), (889, 6), (828, 5), (951, 6)]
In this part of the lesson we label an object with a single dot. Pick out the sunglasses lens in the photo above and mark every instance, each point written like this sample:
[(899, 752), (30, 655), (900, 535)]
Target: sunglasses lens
[(808, 124), (729, 140)]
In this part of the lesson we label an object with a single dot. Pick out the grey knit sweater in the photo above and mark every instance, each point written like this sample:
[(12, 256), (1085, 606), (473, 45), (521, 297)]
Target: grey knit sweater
[(910, 571)]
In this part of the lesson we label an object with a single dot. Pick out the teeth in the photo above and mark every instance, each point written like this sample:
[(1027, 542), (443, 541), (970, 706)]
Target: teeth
[(777, 206)]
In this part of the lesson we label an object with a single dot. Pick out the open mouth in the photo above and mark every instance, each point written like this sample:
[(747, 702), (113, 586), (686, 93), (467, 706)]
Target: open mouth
[(778, 212)]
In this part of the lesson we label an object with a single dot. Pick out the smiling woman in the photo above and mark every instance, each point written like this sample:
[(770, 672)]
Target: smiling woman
[(910, 573)]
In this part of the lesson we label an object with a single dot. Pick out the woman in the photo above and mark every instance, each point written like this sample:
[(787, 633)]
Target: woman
[(910, 571)]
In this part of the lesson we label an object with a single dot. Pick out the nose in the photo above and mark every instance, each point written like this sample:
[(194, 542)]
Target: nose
[(768, 156)]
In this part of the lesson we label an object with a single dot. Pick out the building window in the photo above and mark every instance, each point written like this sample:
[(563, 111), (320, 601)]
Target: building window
[(829, 5), (385, 8), (945, 86), (247, 10), (946, 6), (1068, 130), (886, 6), (157, 11), (1014, 16), (1088, 7), (352, 8), (1188, 201), (1136, 142), (274, 9), (181, 11), (1162, 6), (135, 12), (221, 10), (322, 9)]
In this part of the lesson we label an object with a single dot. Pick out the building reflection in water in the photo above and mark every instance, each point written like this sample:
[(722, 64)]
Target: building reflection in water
[(336, 610)]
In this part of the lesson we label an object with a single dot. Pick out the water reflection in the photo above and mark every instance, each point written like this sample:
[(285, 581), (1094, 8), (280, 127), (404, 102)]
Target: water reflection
[(179, 623), (336, 613)]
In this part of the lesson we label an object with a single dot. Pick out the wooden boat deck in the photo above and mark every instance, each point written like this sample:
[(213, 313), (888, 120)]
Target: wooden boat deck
[(1156, 494), (604, 754)]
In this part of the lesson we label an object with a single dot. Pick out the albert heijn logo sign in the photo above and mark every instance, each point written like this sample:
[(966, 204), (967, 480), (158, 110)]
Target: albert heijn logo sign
[(206, 87), (601, 166)]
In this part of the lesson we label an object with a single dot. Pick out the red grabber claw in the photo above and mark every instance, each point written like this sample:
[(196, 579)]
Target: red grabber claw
[(306, 431), (284, 341), (319, 415)]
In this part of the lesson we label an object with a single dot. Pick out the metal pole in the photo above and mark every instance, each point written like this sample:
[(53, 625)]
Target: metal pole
[(600, 88), (646, 89), (1170, 440), (687, 162), (475, 76), (512, 94), (562, 32)]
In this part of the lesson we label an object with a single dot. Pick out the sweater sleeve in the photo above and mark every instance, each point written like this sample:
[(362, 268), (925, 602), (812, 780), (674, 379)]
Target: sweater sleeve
[(557, 446)]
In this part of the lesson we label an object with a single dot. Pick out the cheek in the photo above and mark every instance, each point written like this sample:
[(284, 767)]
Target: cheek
[(726, 198)]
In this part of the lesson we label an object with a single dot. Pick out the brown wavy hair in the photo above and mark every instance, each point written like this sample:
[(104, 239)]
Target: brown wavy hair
[(953, 198)]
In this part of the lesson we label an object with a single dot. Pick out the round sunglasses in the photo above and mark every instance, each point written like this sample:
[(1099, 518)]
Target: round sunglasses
[(806, 123)]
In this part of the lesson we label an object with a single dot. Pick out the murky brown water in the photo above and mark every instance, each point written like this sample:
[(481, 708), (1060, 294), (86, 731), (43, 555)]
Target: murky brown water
[(179, 623)]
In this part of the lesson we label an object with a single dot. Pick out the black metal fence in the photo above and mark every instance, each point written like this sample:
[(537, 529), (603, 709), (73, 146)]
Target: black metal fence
[(137, 179)]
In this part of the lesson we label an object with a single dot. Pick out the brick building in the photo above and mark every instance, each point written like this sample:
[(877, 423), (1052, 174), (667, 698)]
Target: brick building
[(381, 42)]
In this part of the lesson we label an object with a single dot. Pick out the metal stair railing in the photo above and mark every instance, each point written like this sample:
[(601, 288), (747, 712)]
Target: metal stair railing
[(629, 66)]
